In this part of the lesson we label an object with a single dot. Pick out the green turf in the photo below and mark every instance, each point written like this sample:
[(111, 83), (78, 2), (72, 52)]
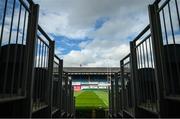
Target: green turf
[(103, 95), (77, 93), (91, 99)]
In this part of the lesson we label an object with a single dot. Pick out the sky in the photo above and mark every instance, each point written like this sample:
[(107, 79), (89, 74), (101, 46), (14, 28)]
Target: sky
[(93, 33)]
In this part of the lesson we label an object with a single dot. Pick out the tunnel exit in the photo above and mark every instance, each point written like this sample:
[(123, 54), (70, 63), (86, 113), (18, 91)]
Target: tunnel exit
[(91, 90)]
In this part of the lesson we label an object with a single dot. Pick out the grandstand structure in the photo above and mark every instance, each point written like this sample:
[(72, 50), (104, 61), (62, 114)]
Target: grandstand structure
[(35, 84), (91, 77)]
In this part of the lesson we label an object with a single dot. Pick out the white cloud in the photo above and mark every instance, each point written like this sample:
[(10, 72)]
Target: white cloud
[(76, 19), (58, 24), (93, 55), (83, 44)]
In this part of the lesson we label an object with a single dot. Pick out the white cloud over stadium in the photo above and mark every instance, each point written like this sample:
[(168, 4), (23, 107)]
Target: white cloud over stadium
[(95, 32)]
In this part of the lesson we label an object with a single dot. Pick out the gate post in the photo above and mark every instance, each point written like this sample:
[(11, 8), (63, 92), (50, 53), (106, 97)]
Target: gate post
[(122, 85), (157, 44), (133, 65), (112, 97), (116, 78), (28, 74), (61, 84), (50, 77), (66, 94)]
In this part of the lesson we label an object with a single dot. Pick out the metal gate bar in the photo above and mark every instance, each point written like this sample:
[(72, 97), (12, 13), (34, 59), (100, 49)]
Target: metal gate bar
[(42, 67), (147, 96), (12, 48), (168, 12), (127, 85)]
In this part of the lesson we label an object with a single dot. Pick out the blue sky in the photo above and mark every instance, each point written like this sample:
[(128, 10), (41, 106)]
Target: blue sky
[(99, 22)]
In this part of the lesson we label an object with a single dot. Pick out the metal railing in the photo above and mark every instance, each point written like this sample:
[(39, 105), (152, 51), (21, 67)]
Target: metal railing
[(65, 93), (71, 100), (169, 13), (29, 70), (127, 85), (44, 57), (153, 65), (114, 93), (118, 84), (110, 101), (145, 70), (112, 97), (57, 84), (63, 98), (14, 18), (68, 96)]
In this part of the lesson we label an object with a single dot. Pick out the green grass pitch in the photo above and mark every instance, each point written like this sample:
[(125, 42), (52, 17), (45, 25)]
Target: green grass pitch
[(91, 99)]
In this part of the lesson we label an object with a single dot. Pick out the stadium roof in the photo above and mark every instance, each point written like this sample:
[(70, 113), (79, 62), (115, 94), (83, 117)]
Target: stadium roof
[(91, 69)]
